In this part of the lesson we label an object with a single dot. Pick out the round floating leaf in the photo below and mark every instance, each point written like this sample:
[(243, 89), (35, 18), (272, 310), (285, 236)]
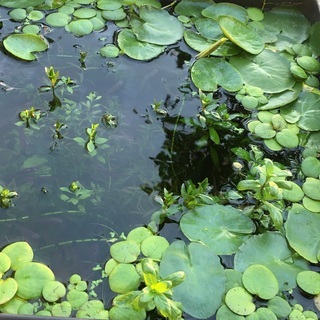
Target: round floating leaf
[(267, 70), (265, 314), (136, 49), (109, 51), (312, 81), (241, 35), (298, 72), (207, 73), (311, 188), (287, 138), (8, 289), (31, 278), (139, 234), (85, 13), (19, 253), (109, 5), (62, 309), (5, 263), (110, 264), (310, 64), (66, 9), (27, 309), (12, 306), (289, 25), (58, 19), (295, 194), (77, 298), (279, 306), (265, 131), (53, 291), (35, 15), (249, 103), (309, 281), (311, 205), (114, 15), (260, 281), (277, 256), (222, 228), (20, 3), (98, 23), (224, 313), (157, 27), (124, 278), (31, 29), (191, 8), (93, 309), (314, 141), (302, 232), (209, 29), (226, 9), (127, 312), (23, 46), (234, 279), (18, 14), (283, 98), (314, 37), (240, 301), (310, 167), (80, 27), (125, 251), (255, 14), (272, 144), (199, 43), (154, 247), (204, 277)]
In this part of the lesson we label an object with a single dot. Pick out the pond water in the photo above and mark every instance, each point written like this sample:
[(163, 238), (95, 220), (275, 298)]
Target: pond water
[(122, 179)]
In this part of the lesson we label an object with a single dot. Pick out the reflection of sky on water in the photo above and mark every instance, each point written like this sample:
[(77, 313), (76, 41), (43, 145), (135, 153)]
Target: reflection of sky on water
[(128, 88)]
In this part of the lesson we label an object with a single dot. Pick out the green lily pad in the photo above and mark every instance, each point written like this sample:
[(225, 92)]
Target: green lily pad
[(31, 29), (222, 228), (154, 247), (307, 109), (18, 14), (85, 13), (20, 3), (200, 43), (314, 141), (306, 239), (260, 281), (277, 256), (35, 15), (279, 306), (241, 35), (283, 98), (226, 9), (31, 278), (265, 314), (23, 46), (80, 27), (205, 277), (139, 234), (8, 289), (77, 298), (109, 5), (240, 301), (265, 131), (58, 19), (114, 15), (157, 27), (255, 14), (287, 138), (313, 40), (124, 278), (267, 70), (294, 194), (224, 313), (125, 251), (309, 281), (27, 309), (62, 309), (311, 204), (288, 24), (19, 253), (5, 263), (93, 309), (191, 8), (53, 291), (207, 73), (136, 49), (234, 278), (109, 51), (309, 64), (272, 144), (127, 312), (311, 188), (209, 29), (310, 167)]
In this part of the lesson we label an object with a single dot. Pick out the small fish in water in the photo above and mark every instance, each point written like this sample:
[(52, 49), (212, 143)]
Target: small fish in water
[(6, 87)]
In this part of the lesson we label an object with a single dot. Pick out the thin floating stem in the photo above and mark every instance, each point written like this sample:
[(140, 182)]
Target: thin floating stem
[(211, 48)]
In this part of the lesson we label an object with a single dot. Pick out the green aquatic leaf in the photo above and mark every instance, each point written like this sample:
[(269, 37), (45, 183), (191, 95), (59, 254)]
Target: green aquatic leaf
[(240, 301), (314, 38), (109, 4), (224, 313), (289, 25), (80, 27), (311, 188), (222, 228), (310, 167), (125, 251), (260, 281), (280, 307), (271, 250), (20, 3), (8, 288), (53, 291), (35, 15), (309, 281), (207, 73), (18, 14), (205, 277), (154, 247), (191, 8), (226, 9), (241, 35), (23, 46), (109, 51), (287, 138), (208, 28), (19, 253), (85, 13), (157, 27), (255, 14), (136, 49), (93, 309), (31, 278), (267, 70), (5, 263), (114, 15), (58, 19), (62, 309)]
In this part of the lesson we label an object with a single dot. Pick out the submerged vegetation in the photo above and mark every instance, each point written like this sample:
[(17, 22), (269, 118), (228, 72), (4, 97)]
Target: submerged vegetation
[(240, 178)]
